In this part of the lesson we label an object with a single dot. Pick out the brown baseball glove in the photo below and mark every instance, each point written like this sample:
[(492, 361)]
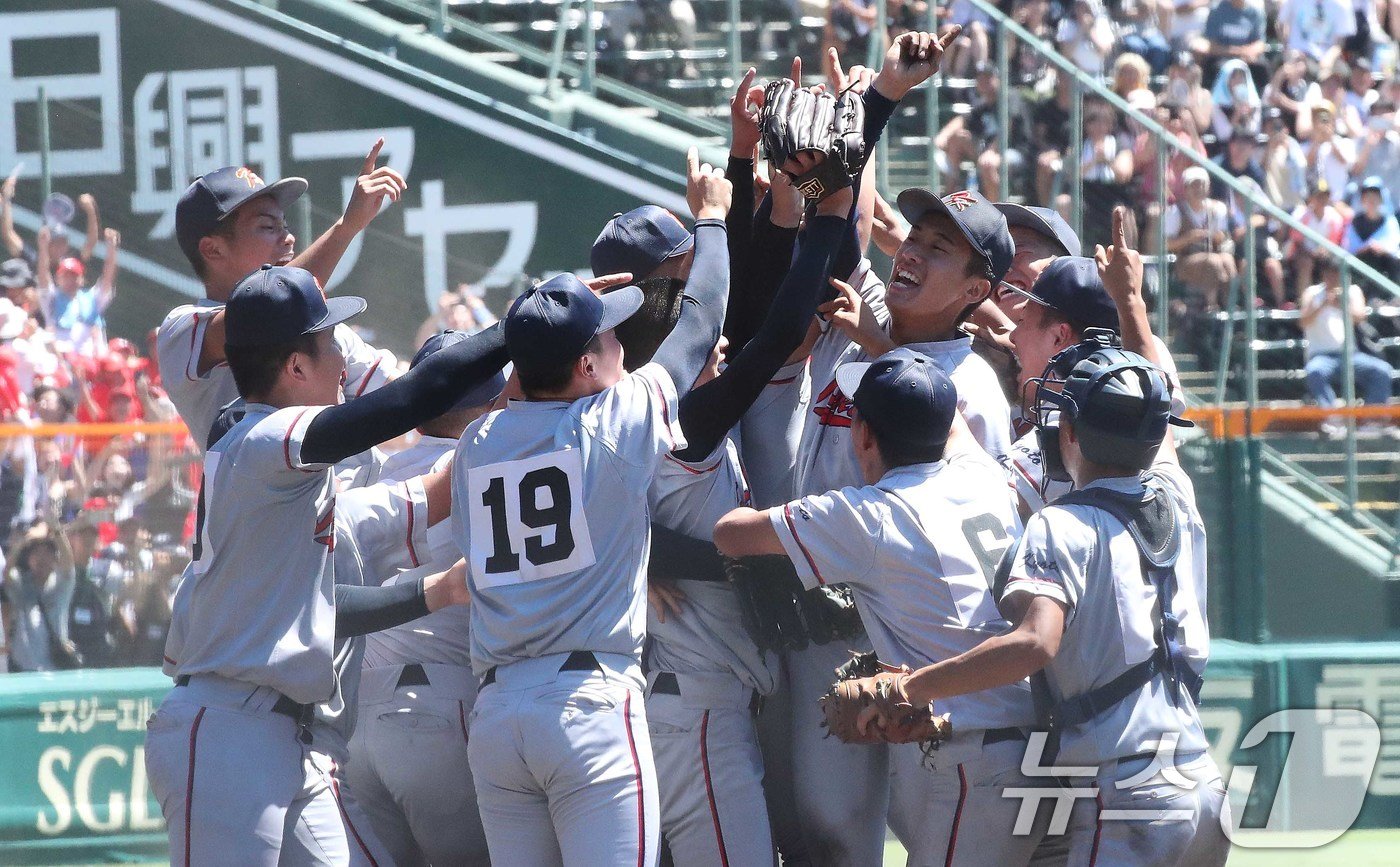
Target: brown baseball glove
[(869, 706)]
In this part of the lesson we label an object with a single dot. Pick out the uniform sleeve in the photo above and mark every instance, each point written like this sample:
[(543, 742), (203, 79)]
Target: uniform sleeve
[(637, 417), (274, 445), (179, 342), (1042, 566), (829, 538), (1027, 472), (390, 524), (366, 368), (985, 409)]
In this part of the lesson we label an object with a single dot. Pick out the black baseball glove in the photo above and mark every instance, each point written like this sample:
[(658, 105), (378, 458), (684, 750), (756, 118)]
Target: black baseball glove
[(795, 120)]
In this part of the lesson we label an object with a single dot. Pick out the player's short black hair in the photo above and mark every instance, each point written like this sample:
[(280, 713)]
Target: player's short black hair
[(641, 333), (898, 454), (255, 368), (224, 229), (555, 379)]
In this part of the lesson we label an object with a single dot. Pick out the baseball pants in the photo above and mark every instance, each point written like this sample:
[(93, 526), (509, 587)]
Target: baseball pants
[(409, 768), (841, 791), (1127, 823), (237, 785), (562, 762), (709, 770), (949, 809)]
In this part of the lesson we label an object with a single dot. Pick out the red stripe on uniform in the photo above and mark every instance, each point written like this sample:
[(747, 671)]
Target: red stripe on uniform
[(364, 383), (641, 802), (688, 468), (335, 790), (710, 789), (189, 782), (193, 363), (412, 552), (168, 659), (787, 519), (957, 816), (1098, 829), (287, 440)]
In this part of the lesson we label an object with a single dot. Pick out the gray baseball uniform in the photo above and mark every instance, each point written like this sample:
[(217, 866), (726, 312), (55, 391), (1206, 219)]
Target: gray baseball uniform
[(550, 511), (702, 732), (919, 550), (245, 686), (410, 772), (198, 398), (1084, 558)]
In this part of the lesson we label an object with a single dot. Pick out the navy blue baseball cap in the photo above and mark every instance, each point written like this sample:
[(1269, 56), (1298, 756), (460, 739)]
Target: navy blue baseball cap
[(1072, 286), (980, 221), (277, 304), (1045, 221), (483, 392), (552, 323), (212, 197), (638, 242), (902, 395)]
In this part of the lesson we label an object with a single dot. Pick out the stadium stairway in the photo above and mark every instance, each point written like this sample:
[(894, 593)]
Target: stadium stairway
[(653, 99)]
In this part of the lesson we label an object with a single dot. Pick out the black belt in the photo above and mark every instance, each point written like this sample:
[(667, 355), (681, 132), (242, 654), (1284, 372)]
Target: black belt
[(996, 736), (579, 660), (302, 714), (412, 675), (665, 683)]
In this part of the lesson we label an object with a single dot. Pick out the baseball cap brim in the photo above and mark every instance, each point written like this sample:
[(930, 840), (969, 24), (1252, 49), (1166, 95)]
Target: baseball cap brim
[(1026, 293), (339, 309), (683, 247), (849, 375), (915, 202), (1020, 215), (618, 307), (285, 191)]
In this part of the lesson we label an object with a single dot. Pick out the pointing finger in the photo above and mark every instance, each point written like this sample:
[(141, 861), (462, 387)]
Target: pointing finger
[(743, 91), (692, 162), (833, 69), (949, 36), (796, 74), (373, 156), (1119, 231)]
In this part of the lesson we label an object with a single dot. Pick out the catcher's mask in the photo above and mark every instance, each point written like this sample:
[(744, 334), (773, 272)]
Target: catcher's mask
[(1118, 402)]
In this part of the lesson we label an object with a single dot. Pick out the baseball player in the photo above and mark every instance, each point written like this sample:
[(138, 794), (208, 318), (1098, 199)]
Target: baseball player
[(247, 685), (918, 544), (551, 513), (229, 223), (1106, 592), (410, 771), (706, 676)]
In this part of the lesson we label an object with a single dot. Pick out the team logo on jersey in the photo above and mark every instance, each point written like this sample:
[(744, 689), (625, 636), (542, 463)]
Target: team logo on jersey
[(249, 176), (1038, 564), (833, 407), (325, 527), (962, 200)]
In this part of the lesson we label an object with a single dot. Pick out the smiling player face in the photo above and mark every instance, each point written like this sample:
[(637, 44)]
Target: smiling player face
[(930, 276)]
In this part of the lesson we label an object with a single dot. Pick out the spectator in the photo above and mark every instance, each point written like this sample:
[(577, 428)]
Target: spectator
[(1234, 29), (1330, 155), (1141, 33), (1179, 123), (1050, 125), (15, 277), (849, 24), (90, 622), (1238, 160), (1106, 169), (58, 212), (1315, 27), (76, 314), (1380, 149), (1333, 89), (1184, 89), (1324, 328), (38, 592), (968, 137), (1374, 235), (972, 47), (1237, 102), (1197, 229), (1321, 215), (1026, 65), (1183, 20), (1288, 91), (1085, 36), (1361, 92), (1131, 77), (1285, 165), (1268, 255)]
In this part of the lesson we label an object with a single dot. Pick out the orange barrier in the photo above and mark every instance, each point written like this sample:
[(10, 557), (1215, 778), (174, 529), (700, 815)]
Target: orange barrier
[(94, 429), (1237, 421)]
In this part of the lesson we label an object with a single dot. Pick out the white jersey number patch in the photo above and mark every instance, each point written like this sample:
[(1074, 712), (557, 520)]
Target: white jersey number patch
[(527, 519)]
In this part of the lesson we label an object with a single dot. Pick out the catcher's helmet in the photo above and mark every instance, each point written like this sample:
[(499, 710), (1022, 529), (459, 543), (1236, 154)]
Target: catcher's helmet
[(1118, 402)]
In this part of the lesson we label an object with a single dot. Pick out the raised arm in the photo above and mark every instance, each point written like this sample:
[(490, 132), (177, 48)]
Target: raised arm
[(107, 284), (93, 225), (709, 411), (684, 351), (424, 393), (14, 245), (371, 188)]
